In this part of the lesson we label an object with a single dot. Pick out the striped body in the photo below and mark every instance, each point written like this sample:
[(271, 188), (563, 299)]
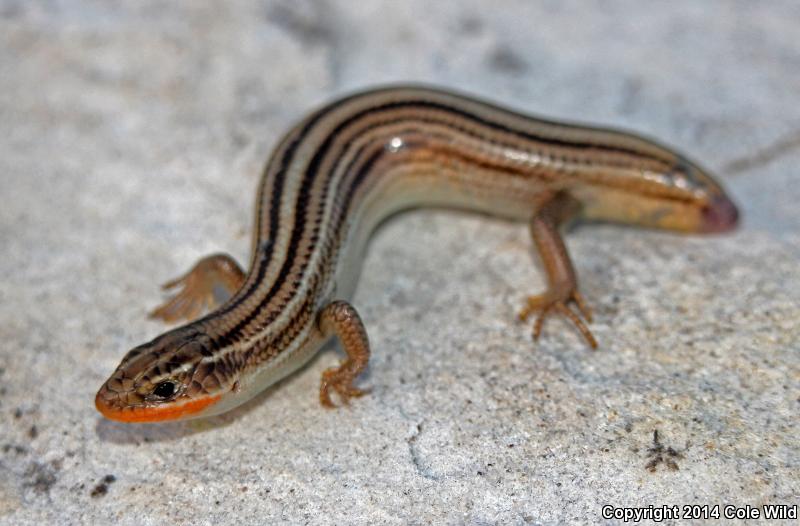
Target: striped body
[(348, 166)]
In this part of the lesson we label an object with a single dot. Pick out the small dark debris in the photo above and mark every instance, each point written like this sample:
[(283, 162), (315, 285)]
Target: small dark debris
[(40, 477), (99, 490), (660, 454), (18, 413), (16, 448), (505, 60), (33, 432), (102, 488), (306, 21), (11, 10), (471, 25)]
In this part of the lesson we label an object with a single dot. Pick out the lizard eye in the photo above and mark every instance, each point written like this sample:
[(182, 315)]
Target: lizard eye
[(165, 390)]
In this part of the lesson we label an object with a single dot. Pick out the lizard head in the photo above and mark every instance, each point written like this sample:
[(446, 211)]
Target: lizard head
[(170, 378)]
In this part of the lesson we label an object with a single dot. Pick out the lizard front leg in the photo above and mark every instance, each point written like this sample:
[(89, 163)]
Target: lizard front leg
[(210, 282)]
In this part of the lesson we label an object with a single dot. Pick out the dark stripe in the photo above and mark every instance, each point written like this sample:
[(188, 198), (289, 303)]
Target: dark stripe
[(313, 169), (289, 332), (276, 194)]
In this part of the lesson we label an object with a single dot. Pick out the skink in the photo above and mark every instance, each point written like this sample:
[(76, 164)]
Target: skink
[(340, 172)]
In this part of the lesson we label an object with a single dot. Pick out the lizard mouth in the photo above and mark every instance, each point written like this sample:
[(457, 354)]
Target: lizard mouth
[(720, 215), (150, 413)]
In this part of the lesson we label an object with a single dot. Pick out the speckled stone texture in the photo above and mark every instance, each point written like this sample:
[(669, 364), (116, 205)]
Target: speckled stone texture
[(132, 136)]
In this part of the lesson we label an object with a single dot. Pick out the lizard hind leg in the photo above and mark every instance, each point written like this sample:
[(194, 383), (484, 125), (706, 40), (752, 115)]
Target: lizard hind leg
[(340, 319), (562, 281), (207, 285)]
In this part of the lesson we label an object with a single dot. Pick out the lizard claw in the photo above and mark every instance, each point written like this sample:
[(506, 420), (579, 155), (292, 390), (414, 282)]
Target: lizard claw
[(549, 302), (340, 380)]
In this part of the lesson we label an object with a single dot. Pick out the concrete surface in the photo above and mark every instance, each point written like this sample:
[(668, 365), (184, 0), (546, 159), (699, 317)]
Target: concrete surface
[(132, 134)]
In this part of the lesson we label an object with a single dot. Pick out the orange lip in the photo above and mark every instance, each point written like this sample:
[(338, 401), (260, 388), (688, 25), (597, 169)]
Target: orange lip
[(156, 413)]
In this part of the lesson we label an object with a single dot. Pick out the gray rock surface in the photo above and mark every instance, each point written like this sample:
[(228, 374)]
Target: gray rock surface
[(132, 134)]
